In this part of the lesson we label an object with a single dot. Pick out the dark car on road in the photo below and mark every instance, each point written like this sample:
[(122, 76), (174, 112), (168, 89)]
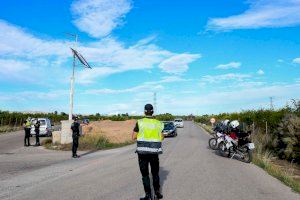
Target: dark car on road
[(170, 129)]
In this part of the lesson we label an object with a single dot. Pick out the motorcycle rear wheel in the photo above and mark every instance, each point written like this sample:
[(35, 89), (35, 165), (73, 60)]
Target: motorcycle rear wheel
[(247, 156)]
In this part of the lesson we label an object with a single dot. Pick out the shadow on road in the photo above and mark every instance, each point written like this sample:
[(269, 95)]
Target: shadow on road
[(163, 176), (87, 153), (235, 157)]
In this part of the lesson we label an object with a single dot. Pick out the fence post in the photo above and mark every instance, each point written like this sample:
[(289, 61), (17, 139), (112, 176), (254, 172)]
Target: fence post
[(253, 128)]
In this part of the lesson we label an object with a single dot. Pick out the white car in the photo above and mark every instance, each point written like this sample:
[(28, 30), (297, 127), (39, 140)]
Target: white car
[(179, 123), (45, 127)]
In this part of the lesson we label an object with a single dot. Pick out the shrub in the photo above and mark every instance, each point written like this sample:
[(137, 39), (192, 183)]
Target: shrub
[(165, 117), (287, 139)]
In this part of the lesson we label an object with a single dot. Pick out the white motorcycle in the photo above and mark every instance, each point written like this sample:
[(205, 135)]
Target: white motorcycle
[(242, 148)]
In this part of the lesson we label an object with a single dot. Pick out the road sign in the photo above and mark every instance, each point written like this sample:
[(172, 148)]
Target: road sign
[(212, 120)]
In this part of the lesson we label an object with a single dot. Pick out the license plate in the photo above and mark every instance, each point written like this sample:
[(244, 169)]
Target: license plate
[(251, 146)]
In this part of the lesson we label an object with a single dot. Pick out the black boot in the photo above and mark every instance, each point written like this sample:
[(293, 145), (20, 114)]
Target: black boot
[(158, 195), (147, 197)]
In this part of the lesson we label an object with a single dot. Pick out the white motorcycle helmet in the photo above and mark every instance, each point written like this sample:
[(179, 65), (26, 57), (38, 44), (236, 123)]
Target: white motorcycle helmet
[(234, 124), (225, 122)]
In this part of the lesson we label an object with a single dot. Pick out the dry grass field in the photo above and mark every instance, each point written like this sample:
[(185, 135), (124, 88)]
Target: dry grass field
[(114, 131)]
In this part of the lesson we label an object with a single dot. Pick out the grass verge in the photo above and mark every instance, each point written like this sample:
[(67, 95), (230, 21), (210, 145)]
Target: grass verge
[(7, 129), (207, 128), (87, 143), (283, 174), (263, 160)]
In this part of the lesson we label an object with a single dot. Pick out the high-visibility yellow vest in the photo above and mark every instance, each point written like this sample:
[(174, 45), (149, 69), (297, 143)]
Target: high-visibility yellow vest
[(28, 124), (149, 136)]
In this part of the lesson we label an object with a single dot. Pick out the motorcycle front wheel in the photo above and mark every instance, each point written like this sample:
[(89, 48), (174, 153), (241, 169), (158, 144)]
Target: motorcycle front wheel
[(212, 142), (223, 151)]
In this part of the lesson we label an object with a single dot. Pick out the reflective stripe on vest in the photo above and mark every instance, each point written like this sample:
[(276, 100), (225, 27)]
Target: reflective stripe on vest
[(144, 147), (149, 136)]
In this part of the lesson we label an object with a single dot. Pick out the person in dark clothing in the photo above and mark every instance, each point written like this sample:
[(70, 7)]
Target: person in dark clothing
[(149, 136), (75, 136), (37, 132), (144, 161), (27, 128)]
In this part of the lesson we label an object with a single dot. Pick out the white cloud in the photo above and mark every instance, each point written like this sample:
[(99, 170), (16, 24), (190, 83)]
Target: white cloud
[(178, 64), (89, 75), (15, 41), (127, 90), (15, 70), (115, 57), (249, 84), (34, 95), (280, 60), (107, 56), (261, 14), (11, 67), (231, 65), (168, 79), (146, 86), (219, 101), (99, 17), (110, 52), (224, 77), (296, 61), (260, 72)]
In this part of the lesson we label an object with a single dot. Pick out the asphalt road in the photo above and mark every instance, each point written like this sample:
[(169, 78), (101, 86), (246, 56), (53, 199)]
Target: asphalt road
[(9, 142), (189, 171), (15, 159)]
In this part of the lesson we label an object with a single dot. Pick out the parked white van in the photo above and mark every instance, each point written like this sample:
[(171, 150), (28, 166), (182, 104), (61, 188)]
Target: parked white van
[(45, 127)]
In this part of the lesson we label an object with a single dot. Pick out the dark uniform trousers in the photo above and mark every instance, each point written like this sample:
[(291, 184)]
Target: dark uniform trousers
[(144, 161), (27, 137), (75, 144), (37, 137)]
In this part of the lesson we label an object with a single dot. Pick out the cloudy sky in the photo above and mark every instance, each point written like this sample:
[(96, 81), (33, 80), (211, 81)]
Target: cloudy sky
[(199, 56)]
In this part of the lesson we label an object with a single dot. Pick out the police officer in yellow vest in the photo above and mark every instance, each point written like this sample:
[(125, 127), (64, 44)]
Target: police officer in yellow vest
[(27, 128), (148, 133)]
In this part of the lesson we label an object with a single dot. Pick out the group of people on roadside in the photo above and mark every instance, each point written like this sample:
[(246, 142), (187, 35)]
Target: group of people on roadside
[(27, 128)]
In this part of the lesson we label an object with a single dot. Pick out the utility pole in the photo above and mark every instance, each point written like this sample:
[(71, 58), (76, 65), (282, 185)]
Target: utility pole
[(271, 103), (72, 77), (154, 103)]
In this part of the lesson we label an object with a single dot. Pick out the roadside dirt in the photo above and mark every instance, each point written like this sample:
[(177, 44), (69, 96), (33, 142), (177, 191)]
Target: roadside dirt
[(291, 169), (114, 131)]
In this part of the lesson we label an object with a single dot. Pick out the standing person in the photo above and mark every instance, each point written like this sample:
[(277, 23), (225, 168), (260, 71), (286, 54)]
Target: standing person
[(149, 136), (37, 132), (75, 136), (27, 128)]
